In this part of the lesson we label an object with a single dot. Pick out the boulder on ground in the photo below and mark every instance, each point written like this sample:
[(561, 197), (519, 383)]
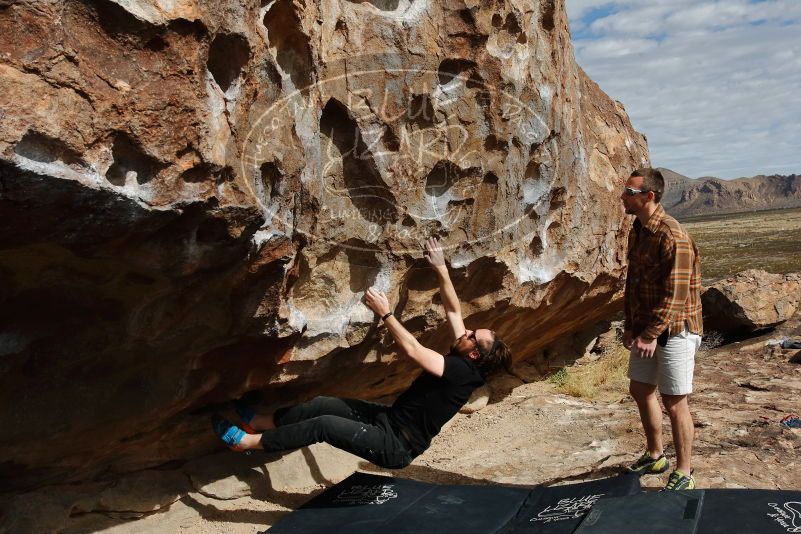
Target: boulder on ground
[(751, 300)]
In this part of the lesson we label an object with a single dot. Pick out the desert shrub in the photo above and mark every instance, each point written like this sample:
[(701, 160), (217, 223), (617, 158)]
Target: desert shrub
[(605, 376)]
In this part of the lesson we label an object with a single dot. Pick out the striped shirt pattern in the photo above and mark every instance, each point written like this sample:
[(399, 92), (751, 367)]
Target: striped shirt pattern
[(663, 284)]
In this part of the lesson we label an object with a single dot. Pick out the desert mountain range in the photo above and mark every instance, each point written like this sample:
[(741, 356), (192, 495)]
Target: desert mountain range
[(687, 197)]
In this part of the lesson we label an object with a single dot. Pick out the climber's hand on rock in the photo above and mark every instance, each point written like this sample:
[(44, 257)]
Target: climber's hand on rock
[(376, 301), (433, 253)]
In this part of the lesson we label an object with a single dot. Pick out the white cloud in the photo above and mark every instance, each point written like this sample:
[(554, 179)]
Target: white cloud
[(714, 85)]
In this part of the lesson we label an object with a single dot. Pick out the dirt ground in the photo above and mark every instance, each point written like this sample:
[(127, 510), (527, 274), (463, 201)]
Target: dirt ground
[(528, 434)]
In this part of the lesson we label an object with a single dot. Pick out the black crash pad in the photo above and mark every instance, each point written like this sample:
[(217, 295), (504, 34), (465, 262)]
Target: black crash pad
[(360, 504), (372, 504), (366, 504), (712, 511), (748, 510), (560, 509), (666, 512)]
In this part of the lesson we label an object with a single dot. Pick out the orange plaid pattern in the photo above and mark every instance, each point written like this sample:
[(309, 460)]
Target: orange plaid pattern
[(663, 284)]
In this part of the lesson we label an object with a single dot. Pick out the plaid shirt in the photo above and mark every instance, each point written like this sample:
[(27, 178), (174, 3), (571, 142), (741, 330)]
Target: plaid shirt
[(663, 284)]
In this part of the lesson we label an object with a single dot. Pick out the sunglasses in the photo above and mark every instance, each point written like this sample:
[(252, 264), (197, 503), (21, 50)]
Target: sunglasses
[(484, 353), (630, 191)]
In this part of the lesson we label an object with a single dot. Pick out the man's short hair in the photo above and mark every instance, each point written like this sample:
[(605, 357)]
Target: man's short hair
[(652, 180), (493, 356)]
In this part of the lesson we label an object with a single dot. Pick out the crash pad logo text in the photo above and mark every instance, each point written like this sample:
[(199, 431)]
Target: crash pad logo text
[(366, 494), (570, 508), (787, 516)]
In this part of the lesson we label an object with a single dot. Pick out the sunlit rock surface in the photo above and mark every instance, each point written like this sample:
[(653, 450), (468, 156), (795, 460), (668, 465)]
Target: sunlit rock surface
[(751, 300), (194, 197)]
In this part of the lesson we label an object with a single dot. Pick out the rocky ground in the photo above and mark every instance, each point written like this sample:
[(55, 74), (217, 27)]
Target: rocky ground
[(528, 434)]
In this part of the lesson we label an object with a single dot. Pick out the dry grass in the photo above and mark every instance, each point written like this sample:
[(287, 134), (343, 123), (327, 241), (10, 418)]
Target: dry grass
[(604, 377)]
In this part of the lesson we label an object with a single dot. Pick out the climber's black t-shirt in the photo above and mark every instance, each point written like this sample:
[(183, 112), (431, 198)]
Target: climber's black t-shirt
[(431, 401)]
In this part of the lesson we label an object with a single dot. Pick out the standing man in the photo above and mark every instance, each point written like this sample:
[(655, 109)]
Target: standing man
[(388, 436), (663, 324)]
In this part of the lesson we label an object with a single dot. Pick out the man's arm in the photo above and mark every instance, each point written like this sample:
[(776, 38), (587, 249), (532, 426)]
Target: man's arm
[(453, 309), (628, 323), (432, 361)]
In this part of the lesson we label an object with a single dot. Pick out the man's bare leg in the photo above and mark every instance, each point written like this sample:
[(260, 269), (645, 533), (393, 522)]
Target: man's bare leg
[(681, 424), (262, 422), (650, 415), (250, 441)]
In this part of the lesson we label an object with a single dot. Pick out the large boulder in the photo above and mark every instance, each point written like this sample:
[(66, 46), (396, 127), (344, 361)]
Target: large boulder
[(194, 197), (751, 300)]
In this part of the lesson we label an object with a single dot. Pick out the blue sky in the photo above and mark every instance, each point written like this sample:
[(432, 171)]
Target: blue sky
[(714, 85)]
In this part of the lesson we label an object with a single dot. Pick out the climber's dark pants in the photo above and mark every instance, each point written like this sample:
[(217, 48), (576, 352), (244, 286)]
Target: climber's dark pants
[(359, 427)]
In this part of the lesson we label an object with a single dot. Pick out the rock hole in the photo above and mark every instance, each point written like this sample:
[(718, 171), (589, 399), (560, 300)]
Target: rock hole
[(363, 263), (420, 112), (558, 198), (292, 45), (457, 68), (497, 20), (212, 231), (224, 175), (445, 175), (535, 246), (130, 161), (492, 143), (467, 17), (484, 276), (440, 178), (120, 23), (548, 10), (45, 149), (228, 54), (342, 143), (185, 151), (537, 146), (269, 177), (199, 174), (462, 202), (383, 5), (390, 140), (490, 178), (553, 231), (511, 24), (156, 44), (420, 278), (533, 170)]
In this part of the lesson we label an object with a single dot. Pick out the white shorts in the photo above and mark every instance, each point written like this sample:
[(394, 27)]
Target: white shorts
[(671, 368)]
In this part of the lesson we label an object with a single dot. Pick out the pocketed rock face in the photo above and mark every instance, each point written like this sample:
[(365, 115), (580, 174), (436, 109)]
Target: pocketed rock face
[(751, 300), (193, 199)]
